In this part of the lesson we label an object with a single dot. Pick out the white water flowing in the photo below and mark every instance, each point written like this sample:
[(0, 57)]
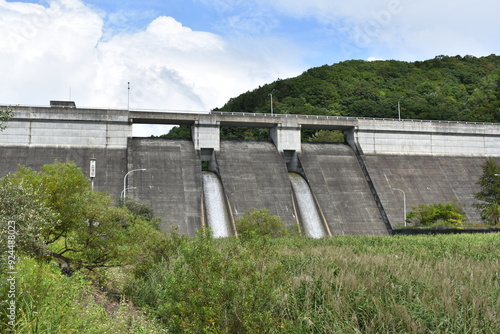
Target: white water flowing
[(310, 218), (215, 206)]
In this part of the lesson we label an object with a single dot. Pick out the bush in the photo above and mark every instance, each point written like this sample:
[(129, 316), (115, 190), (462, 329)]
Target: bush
[(260, 223), (208, 285), (48, 302), (440, 214)]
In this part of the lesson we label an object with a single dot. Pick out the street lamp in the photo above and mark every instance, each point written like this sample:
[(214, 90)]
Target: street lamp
[(399, 107), (124, 192), (404, 203), (271, 95)]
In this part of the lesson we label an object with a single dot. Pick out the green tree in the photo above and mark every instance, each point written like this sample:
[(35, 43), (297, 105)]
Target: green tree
[(440, 214), (88, 231), (178, 132), (23, 210), (489, 195), (326, 136), (444, 88), (5, 115), (260, 223)]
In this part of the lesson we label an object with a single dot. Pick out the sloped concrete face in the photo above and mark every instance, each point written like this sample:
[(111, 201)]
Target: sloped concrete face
[(172, 182), (425, 180), (342, 191), (254, 175)]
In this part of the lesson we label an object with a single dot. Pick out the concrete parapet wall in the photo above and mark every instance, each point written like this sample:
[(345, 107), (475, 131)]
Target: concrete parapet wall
[(75, 127), (428, 138), (67, 127)]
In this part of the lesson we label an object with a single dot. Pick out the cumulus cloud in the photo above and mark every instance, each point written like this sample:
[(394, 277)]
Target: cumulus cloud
[(47, 50)]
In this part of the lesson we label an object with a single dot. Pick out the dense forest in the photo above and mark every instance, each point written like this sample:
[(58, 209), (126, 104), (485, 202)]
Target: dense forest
[(444, 88)]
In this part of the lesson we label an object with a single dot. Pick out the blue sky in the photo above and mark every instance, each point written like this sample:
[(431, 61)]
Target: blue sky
[(196, 54)]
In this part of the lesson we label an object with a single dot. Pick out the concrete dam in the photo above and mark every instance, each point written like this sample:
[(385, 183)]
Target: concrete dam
[(360, 187)]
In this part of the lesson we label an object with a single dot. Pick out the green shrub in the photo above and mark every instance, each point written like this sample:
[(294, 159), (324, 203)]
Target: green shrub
[(440, 214), (48, 302), (260, 223), (212, 286)]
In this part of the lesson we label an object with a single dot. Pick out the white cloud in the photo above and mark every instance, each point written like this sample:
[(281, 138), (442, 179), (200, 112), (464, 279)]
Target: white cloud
[(404, 29), (47, 50)]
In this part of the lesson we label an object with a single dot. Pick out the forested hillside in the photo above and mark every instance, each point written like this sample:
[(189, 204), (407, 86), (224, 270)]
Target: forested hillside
[(444, 88)]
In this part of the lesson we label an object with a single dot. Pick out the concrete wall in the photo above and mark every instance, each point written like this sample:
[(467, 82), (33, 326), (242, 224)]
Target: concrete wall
[(431, 161), (254, 175), (75, 127), (111, 164), (343, 193), (425, 180), (67, 127), (286, 135), (428, 138), (172, 182), (206, 133)]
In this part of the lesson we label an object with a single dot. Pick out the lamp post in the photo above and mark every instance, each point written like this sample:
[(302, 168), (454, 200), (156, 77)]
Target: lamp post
[(399, 107), (124, 192), (404, 203), (271, 95)]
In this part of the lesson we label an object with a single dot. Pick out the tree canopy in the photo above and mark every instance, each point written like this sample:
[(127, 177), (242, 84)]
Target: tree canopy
[(489, 195), (444, 88), (451, 88), (57, 214)]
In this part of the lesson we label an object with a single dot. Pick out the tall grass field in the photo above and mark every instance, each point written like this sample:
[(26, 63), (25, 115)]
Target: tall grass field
[(401, 284)]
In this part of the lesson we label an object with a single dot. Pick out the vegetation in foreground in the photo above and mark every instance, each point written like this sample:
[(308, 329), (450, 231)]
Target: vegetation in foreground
[(419, 284)]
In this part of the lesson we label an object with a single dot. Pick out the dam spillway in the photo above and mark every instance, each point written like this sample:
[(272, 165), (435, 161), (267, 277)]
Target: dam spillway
[(216, 213), (307, 208), (432, 161)]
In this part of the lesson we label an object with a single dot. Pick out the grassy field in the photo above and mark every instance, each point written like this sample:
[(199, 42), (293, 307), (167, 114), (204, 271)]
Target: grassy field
[(403, 284)]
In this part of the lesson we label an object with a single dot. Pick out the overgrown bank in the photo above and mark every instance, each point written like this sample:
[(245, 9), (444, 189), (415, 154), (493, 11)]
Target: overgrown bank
[(419, 284)]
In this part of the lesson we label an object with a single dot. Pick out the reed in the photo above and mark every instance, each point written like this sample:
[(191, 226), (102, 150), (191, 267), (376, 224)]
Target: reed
[(411, 284)]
